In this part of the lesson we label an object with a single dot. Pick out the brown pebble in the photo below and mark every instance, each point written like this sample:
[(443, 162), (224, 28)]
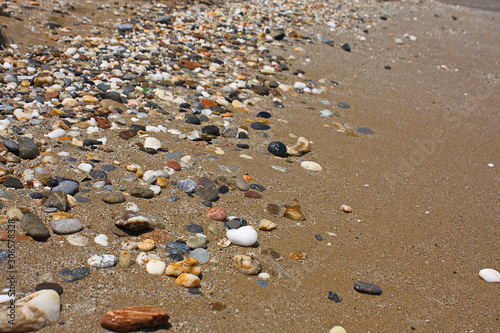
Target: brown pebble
[(103, 123), (125, 135), (298, 255), (174, 165), (294, 213), (216, 213), (252, 194), (346, 209)]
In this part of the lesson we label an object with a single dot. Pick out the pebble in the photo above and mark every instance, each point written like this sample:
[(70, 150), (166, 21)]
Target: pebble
[(145, 245), (489, 275), (33, 312), (58, 200), (216, 213), (241, 184), (244, 236), (267, 225), (75, 274), (133, 221), (27, 149), (252, 194), (101, 240), (207, 190), (343, 105), (188, 265), (277, 148), (201, 255), (294, 213), (364, 130), (134, 318), (311, 166), (143, 193), (262, 283), (247, 264), (12, 182), (194, 228), (77, 240), (155, 267), (260, 188), (260, 126), (125, 260), (332, 296), (186, 185), (318, 237), (188, 280), (67, 186), (367, 288), (346, 208), (66, 226), (102, 260), (235, 223), (325, 113), (34, 227), (338, 329), (195, 242)]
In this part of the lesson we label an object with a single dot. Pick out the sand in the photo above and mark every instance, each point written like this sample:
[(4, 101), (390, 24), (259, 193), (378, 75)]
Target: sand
[(425, 202)]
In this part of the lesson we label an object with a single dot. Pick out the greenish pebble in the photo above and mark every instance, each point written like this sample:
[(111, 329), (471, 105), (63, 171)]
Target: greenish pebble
[(4, 194), (34, 227), (195, 242), (123, 188), (214, 229), (113, 198), (125, 260)]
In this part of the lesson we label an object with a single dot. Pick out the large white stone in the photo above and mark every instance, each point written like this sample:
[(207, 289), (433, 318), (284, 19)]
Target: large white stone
[(156, 267), (32, 312), (244, 236), (311, 166), (102, 260), (153, 143)]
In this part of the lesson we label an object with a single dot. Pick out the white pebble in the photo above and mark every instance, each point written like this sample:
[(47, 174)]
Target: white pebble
[(101, 239), (77, 240), (489, 275), (325, 113), (85, 167), (155, 267), (299, 85), (491, 165), (57, 133), (153, 143), (311, 166), (244, 236), (338, 329), (102, 260)]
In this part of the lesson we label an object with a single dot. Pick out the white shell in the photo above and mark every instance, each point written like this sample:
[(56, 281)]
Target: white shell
[(489, 275), (155, 267), (57, 133), (77, 240), (311, 166), (244, 236), (101, 239)]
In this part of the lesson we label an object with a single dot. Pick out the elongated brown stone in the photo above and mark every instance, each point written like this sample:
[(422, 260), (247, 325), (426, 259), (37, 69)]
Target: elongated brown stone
[(134, 318)]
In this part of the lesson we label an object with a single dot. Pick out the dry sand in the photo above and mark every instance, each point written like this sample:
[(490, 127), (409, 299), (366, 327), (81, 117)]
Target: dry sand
[(425, 202)]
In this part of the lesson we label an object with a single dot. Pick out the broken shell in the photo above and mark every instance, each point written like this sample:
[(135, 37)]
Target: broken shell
[(294, 213), (224, 242)]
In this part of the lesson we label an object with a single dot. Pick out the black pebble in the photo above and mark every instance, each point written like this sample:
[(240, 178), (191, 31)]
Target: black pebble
[(193, 120), (367, 288), (194, 228), (257, 187), (71, 275), (279, 36), (387, 67), (318, 237), (36, 195), (243, 135), (260, 126), (332, 296), (242, 146), (210, 129), (263, 114), (278, 104), (223, 189), (50, 285), (98, 174), (235, 223), (346, 47), (277, 148)]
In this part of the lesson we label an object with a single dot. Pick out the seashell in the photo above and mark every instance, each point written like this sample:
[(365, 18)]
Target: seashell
[(294, 213), (244, 236), (224, 242), (247, 264), (188, 280), (489, 275)]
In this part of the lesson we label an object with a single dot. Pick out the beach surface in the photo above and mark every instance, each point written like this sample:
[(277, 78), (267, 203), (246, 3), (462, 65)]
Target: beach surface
[(416, 156)]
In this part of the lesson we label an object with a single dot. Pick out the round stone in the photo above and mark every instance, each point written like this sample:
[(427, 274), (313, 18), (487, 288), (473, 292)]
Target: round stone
[(113, 198), (241, 184), (260, 126), (201, 255), (211, 130), (194, 228), (195, 242), (277, 148), (77, 240)]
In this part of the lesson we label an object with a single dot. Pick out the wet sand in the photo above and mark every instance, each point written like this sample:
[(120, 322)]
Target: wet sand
[(425, 202)]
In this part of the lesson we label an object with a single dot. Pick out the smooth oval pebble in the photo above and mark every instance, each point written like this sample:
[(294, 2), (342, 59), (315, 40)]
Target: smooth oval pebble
[(338, 329), (156, 267), (66, 226), (77, 240), (489, 275), (188, 280), (247, 264), (134, 318), (277, 148), (194, 228), (101, 240), (311, 166), (367, 288), (244, 236)]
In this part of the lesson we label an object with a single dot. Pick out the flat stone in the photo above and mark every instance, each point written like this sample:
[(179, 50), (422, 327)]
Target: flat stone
[(364, 130), (235, 223), (113, 198), (34, 227), (174, 165), (133, 221), (67, 186), (260, 126), (134, 318), (210, 130), (277, 149), (332, 296), (98, 174), (28, 149), (257, 187), (207, 190), (12, 182), (177, 247), (343, 105), (4, 255), (75, 274), (252, 194), (201, 255), (367, 288), (195, 242), (194, 228), (66, 226), (144, 193)]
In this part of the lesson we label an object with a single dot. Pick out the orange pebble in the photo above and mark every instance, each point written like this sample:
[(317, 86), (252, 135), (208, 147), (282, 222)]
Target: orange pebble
[(248, 178)]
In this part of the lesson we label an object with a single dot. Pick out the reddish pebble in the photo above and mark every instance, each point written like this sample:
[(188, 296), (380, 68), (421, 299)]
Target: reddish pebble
[(252, 194), (189, 64), (208, 103), (5, 237), (103, 123), (125, 135), (174, 165), (216, 213), (134, 318)]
